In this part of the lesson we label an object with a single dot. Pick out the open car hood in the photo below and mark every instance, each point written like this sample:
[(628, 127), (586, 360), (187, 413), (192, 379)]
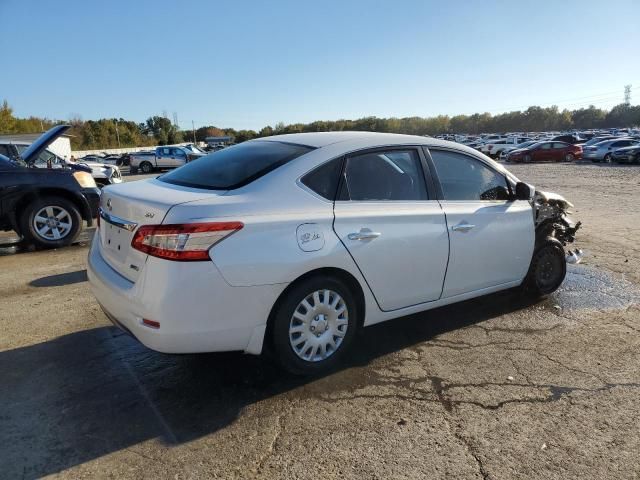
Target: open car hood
[(34, 150)]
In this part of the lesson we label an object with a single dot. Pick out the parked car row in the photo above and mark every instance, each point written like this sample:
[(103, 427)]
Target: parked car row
[(597, 146), (103, 173)]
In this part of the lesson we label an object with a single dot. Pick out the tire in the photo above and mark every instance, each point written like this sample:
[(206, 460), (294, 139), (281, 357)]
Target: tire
[(146, 167), (133, 170), (547, 269), (298, 341), (38, 222), (527, 159), (569, 157), (607, 158)]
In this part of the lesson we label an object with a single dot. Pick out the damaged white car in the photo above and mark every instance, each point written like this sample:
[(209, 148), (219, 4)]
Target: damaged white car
[(293, 243)]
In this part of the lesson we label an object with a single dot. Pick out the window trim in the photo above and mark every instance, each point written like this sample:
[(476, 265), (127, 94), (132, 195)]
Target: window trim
[(300, 183), (440, 191), (426, 174)]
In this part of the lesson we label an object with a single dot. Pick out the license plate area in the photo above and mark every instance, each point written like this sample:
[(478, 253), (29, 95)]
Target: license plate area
[(115, 240), (115, 236)]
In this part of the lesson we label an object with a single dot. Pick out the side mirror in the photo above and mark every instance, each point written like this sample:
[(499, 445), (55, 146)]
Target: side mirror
[(524, 191)]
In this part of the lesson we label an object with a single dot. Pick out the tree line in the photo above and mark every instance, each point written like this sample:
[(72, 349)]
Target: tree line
[(158, 130)]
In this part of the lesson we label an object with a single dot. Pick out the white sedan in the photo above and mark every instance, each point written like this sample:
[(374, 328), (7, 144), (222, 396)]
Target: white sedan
[(294, 242)]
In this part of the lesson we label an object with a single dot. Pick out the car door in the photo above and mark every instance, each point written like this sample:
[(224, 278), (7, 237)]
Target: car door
[(178, 156), (544, 153), (394, 230), (559, 150), (164, 159), (491, 236)]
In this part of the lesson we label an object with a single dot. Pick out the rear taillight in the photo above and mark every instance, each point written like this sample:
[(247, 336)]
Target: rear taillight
[(184, 242)]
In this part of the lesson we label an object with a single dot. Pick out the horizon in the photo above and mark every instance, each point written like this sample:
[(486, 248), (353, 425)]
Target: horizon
[(269, 64)]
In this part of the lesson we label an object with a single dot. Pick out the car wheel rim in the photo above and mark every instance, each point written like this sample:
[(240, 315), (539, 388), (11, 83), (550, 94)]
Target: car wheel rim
[(52, 223), (318, 325), (549, 268)]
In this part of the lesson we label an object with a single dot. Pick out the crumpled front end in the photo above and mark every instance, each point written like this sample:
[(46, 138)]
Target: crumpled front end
[(552, 218)]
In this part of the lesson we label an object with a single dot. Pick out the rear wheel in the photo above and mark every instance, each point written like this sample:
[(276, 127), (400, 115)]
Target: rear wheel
[(50, 222), (547, 270), (146, 167), (607, 158), (314, 325)]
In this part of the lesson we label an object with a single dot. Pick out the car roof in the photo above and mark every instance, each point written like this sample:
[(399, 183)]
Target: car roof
[(363, 139)]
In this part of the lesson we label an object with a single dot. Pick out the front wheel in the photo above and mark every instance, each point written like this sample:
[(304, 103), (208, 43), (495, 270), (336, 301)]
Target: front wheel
[(50, 222), (527, 159), (547, 270), (569, 157), (607, 158), (314, 325)]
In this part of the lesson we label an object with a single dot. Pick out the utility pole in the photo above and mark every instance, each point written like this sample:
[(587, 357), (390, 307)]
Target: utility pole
[(41, 126), (117, 133), (627, 95), (193, 127)]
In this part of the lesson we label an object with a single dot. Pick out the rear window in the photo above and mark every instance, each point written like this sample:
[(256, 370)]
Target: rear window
[(236, 166)]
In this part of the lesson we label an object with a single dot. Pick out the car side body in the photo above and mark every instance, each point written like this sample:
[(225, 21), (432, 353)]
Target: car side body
[(547, 151), (164, 157), (603, 151), (627, 154), (390, 217), (25, 190)]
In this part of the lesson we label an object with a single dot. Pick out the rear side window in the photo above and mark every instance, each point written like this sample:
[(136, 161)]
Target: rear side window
[(324, 179), (236, 166), (465, 178), (384, 175)]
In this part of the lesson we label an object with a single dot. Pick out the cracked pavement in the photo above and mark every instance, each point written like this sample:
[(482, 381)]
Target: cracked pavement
[(492, 388)]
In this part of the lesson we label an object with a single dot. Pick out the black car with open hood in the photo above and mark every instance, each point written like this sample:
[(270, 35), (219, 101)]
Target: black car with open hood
[(45, 206)]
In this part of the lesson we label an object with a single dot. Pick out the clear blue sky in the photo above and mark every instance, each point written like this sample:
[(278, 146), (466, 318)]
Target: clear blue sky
[(248, 64)]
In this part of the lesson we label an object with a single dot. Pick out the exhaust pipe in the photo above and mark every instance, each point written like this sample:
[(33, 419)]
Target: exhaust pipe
[(574, 257)]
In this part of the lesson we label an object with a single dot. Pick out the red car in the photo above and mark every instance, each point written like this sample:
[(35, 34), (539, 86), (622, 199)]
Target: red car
[(547, 152)]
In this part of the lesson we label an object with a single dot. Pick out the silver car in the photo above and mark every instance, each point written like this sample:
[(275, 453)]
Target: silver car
[(602, 151)]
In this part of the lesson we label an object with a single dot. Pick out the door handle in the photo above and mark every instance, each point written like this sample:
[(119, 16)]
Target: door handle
[(463, 227), (364, 234)]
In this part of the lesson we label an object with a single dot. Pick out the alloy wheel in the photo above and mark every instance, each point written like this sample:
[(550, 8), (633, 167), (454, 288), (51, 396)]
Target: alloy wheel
[(318, 325), (52, 222)]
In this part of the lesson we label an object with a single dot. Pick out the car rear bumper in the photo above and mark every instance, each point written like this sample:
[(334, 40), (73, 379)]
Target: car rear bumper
[(195, 307)]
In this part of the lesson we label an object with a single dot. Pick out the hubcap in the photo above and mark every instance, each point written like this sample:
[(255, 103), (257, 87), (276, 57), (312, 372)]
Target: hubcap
[(52, 223), (318, 325)]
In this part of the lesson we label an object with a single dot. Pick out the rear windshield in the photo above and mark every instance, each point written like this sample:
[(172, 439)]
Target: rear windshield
[(236, 166)]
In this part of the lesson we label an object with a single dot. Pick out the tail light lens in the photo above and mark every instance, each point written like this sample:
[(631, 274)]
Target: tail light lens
[(188, 242)]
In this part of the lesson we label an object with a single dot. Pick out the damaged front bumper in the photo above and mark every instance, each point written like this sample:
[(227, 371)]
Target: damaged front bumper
[(552, 220)]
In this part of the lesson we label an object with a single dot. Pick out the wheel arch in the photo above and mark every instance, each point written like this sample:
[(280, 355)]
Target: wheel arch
[(23, 202), (350, 281)]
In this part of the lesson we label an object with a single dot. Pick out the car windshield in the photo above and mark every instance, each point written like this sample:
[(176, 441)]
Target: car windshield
[(235, 166)]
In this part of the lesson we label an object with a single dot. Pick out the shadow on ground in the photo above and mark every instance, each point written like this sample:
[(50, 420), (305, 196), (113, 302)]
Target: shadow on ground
[(87, 394)]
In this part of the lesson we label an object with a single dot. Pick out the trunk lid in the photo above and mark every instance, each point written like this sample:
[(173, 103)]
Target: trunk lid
[(127, 206)]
